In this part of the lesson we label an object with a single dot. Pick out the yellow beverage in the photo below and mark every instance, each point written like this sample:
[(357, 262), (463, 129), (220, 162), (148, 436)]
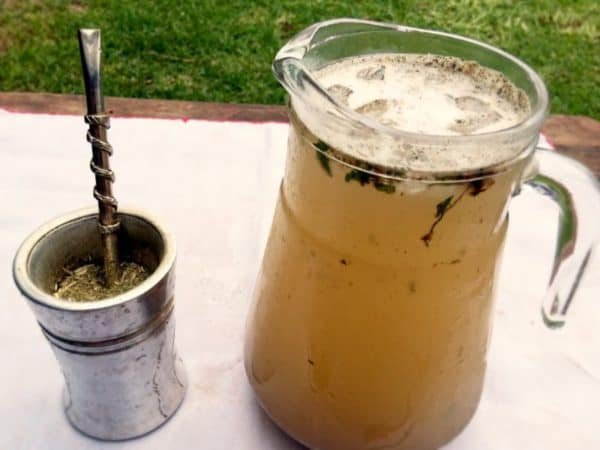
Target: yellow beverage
[(372, 309)]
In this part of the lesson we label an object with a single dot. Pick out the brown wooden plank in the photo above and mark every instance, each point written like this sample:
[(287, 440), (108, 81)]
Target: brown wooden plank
[(573, 131), (135, 107), (576, 136)]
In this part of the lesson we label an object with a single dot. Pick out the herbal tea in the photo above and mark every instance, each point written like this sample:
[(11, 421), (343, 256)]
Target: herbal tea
[(372, 308)]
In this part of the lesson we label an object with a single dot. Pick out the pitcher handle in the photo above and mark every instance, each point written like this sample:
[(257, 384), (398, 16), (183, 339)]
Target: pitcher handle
[(576, 191)]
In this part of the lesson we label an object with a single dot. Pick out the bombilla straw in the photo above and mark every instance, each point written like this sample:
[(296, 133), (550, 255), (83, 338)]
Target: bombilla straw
[(98, 120)]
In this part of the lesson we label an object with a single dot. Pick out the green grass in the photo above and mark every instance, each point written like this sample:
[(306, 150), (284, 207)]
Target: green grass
[(222, 50)]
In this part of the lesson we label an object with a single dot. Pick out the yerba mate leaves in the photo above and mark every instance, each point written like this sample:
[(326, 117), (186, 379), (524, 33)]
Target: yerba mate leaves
[(87, 282)]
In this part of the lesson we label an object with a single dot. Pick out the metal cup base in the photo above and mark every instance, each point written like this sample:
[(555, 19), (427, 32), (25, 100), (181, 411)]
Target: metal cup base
[(147, 384)]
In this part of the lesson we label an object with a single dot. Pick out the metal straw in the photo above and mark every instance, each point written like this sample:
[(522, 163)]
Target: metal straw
[(98, 120)]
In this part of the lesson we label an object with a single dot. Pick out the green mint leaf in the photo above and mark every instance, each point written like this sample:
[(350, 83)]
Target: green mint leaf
[(322, 157), (400, 173), (442, 206), (358, 175), (322, 146), (476, 187), (384, 187), (324, 161)]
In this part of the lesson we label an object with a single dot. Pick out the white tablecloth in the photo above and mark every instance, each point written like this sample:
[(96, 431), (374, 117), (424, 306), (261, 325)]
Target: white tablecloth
[(215, 184)]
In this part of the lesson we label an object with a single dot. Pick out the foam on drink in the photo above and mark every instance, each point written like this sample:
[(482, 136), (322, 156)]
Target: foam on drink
[(425, 94)]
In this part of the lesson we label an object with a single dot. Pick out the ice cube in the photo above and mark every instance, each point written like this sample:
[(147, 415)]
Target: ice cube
[(374, 108), (468, 103), (389, 122), (371, 73), (340, 93), (472, 124)]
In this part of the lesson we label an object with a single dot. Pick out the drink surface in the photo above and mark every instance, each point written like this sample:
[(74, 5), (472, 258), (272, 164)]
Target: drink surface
[(372, 308), (427, 95)]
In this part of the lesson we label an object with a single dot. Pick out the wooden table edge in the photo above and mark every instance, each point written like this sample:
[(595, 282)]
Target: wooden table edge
[(575, 136), (43, 103)]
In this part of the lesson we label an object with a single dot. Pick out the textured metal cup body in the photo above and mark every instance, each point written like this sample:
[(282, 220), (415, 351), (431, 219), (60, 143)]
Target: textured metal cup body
[(123, 377)]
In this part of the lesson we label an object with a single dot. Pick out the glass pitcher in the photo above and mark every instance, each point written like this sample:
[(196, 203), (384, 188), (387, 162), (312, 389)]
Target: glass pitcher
[(372, 309)]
